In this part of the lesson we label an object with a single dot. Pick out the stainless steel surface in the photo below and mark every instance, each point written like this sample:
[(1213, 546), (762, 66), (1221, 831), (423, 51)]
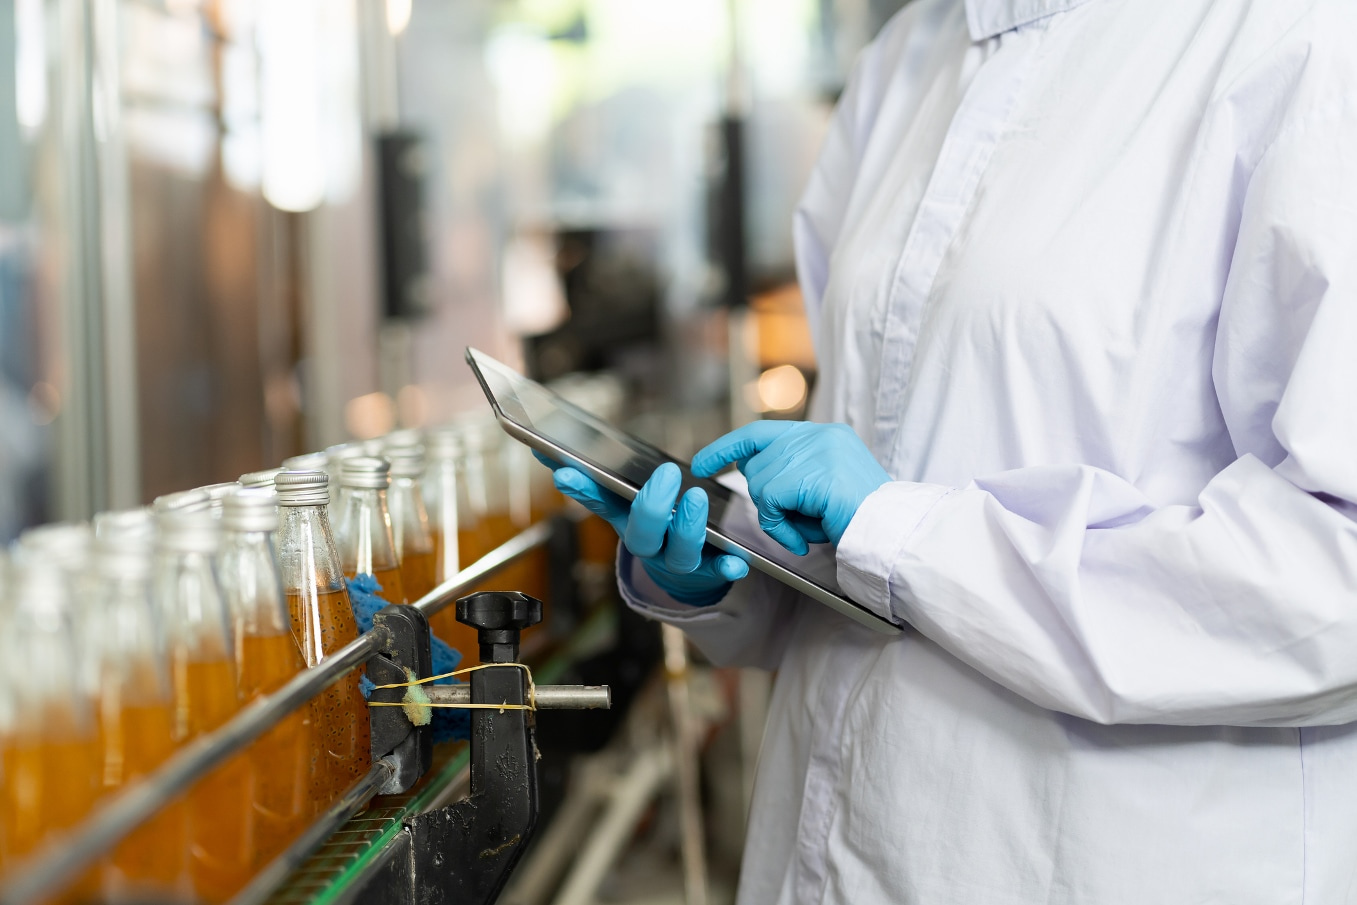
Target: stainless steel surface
[(110, 823), (547, 697), (492, 562), (267, 880)]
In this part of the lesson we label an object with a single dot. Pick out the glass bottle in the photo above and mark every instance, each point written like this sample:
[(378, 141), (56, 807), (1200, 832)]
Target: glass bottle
[(136, 708), (410, 521), (50, 760), (66, 546), (530, 574), (194, 500), (442, 493), (7, 690), (363, 525), (267, 657), (452, 527), (202, 667), (497, 495), (322, 620)]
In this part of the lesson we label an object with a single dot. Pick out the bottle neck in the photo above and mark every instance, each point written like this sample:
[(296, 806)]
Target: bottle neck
[(307, 554), (364, 536), (190, 602), (252, 583), (131, 662), (409, 518)]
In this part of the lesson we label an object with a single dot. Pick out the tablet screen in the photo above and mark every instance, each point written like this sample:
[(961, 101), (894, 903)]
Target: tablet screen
[(590, 438), (632, 461)]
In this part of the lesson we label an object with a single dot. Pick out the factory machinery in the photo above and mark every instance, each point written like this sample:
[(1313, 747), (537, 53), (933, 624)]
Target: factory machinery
[(452, 821)]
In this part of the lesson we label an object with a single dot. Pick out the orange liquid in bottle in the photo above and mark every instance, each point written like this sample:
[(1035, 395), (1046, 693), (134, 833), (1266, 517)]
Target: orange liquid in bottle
[(219, 811), (150, 863), (50, 784), (341, 738), (280, 761), (470, 548), (393, 588), (528, 573), (417, 573)]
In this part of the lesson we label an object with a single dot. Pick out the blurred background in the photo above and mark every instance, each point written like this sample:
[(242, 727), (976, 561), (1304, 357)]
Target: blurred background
[(235, 230)]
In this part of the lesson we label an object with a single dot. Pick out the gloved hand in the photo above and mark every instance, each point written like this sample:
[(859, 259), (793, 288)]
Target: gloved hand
[(671, 544), (807, 480)]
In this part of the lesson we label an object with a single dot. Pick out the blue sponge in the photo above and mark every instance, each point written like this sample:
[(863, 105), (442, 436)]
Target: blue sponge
[(449, 724)]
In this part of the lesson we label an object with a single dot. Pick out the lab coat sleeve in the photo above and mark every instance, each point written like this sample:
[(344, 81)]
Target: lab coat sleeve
[(1067, 586), (749, 627)]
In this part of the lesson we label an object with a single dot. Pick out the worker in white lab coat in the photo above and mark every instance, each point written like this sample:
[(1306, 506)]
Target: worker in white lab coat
[(1082, 277)]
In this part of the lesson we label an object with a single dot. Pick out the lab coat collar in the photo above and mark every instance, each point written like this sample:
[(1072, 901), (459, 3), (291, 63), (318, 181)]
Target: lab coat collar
[(987, 18)]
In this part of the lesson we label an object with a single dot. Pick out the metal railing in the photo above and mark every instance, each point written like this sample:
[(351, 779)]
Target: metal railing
[(68, 857)]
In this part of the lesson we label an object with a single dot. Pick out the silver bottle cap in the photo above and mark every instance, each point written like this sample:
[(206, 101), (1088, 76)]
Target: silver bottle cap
[(365, 473), (183, 501), (187, 531), (313, 461), (403, 438), (250, 509), (260, 478), (123, 542), (406, 461), (138, 522), (65, 545), (302, 488), (445, 443)]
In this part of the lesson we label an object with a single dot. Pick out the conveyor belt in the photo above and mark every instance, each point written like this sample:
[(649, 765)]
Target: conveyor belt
[(333, 874)]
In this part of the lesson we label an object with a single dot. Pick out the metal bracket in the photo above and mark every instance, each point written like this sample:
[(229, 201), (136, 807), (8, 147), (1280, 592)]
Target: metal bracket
[(465, 852), (409, 748)]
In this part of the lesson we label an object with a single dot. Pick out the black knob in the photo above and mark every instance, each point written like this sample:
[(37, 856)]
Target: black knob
[(499, 617)]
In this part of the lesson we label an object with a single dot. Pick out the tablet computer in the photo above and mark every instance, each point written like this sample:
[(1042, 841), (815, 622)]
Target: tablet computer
[(536, 416)]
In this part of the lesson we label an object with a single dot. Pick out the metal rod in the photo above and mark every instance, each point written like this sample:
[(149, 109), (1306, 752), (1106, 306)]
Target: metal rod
[(340, 813), (456, 586), (69, 856), (547, 697), (692, 843)]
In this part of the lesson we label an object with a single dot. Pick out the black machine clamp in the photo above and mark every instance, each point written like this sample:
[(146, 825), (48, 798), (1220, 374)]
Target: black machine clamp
[(465, 852)]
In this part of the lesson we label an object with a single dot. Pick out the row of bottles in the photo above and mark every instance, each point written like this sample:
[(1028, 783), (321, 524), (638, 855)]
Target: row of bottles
[(128, 638)]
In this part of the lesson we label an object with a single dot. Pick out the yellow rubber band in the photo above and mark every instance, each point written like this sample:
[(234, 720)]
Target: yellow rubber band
[(532, 691)]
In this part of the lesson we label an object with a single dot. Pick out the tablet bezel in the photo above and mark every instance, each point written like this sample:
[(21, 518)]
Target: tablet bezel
[(620, 485)]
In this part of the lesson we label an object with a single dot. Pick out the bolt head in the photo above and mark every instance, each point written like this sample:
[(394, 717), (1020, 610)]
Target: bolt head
[(499, 610)]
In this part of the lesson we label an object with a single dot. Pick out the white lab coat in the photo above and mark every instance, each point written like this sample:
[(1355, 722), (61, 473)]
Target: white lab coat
[(1083, 275)]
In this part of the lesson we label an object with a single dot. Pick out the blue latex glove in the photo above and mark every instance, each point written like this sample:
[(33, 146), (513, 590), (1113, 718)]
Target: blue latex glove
[(448, 723), (670, 542), (807, 480)]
